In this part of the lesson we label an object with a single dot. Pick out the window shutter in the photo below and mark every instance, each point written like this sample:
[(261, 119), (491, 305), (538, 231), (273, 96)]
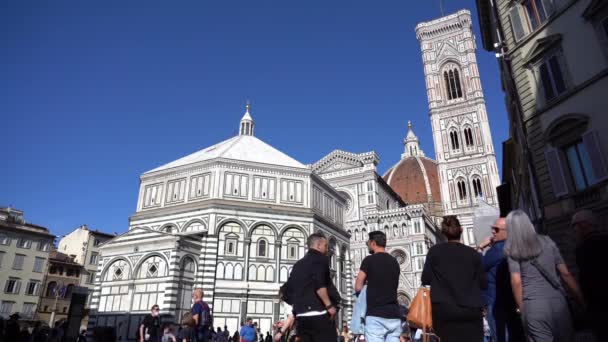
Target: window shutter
[(556, 172), (516, 23), (598, 163), (17, 287)]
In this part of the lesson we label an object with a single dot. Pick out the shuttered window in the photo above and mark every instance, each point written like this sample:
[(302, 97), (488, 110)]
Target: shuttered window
[(558, 181), (599, 165)]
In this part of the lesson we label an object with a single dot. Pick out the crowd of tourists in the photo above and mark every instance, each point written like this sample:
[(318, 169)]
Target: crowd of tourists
[(514, 286)]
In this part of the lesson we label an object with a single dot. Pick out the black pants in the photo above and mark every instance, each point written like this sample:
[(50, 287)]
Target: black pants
[(316, 329), (453, 323)]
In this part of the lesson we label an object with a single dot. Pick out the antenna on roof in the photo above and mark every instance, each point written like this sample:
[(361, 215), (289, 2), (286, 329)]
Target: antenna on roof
[(441, 7)]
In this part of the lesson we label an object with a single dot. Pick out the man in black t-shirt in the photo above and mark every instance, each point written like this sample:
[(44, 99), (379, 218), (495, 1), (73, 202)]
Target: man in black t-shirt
[(381, 272), (149, 330)]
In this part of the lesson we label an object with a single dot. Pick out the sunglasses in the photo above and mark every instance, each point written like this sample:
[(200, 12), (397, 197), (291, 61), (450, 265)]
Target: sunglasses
[(496, 229)]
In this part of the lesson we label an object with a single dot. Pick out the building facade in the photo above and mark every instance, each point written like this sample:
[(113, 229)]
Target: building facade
[(62, 278), (372, 205), (553, 58), (464, 149), (24, 254), (84, 244), (233, 219)]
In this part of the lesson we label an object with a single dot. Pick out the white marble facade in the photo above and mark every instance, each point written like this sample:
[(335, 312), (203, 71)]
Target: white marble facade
[(461, 130), (233, 219), (372, 205)]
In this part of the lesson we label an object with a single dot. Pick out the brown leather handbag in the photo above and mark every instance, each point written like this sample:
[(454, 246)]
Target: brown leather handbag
[(419, 315)]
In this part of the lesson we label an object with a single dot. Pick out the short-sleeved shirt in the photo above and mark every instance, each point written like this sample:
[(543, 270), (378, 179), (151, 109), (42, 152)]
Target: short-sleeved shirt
[(382, 272), (248, 333), (534, 284), (152, 326)]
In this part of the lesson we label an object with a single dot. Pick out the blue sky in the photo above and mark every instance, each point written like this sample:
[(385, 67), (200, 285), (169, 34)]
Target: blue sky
[(92, 94)]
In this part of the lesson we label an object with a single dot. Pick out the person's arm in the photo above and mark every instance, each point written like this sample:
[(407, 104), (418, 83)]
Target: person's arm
[(492, 258), (196, 310), (480, 273), (516, 285), (517, 289), (571, 284), (427, 271), (141, 333), (360, 282)]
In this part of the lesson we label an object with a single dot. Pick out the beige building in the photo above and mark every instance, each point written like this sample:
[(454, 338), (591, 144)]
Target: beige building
[(62, 278), (24, 253), (84, 244), (553, 57)]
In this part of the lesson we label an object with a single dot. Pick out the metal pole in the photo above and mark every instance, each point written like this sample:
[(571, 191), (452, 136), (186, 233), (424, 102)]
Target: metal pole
[(52, 319)]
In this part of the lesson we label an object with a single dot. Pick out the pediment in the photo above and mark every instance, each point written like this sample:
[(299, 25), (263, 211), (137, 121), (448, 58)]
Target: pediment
[(541, 46), (336, 161), (447, 50), (137, 231)]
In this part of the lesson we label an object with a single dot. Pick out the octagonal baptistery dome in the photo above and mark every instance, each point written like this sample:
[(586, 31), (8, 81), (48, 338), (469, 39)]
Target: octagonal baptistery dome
[(233, 219), (415, 177)]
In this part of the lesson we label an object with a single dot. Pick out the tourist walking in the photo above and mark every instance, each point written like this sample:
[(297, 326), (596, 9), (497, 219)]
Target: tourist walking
[(150, 327), (537, 271), (591, 256), (201, 313), (248, 332), (309, 290), (501, 312), (381, 273), (455, 274)]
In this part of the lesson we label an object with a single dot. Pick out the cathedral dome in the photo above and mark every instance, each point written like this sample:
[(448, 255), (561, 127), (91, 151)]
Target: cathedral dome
[(415, 177)]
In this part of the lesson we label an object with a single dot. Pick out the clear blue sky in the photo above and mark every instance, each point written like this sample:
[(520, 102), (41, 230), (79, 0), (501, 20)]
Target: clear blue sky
[(94, 93)]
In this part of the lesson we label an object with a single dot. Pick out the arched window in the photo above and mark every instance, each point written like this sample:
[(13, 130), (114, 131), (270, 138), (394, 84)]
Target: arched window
[(454, 140), (356, 234), (51, 288), (229, 272), (238, 272), (262, 248), (468, 136), (219, 271), (453, 88), (170, 229), (261, 273), (477, 187), (188, 265), (68, 291), (462, 190), (152, 267)]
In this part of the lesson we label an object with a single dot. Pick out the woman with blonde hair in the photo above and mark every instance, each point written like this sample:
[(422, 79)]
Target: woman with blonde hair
[(537, 271)]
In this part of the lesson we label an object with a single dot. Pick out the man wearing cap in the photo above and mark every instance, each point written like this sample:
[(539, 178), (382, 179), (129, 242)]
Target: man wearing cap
[(591, 257)]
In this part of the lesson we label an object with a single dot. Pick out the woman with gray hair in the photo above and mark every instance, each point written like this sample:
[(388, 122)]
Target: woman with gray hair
[(536, 268)]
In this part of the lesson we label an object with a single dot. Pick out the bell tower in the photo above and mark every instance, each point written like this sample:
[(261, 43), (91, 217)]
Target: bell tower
[(461, 131)]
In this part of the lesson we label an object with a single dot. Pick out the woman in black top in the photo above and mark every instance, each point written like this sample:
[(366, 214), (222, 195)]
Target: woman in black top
[(456, 277)]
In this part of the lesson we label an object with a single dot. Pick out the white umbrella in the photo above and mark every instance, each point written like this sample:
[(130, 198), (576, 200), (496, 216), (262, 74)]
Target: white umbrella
[(483, 219)]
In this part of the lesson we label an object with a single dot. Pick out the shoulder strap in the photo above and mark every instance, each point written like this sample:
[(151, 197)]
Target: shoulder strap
[(546, 275)]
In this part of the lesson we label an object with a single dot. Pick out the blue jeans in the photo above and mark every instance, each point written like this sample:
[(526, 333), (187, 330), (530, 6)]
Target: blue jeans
[(378, 329)]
